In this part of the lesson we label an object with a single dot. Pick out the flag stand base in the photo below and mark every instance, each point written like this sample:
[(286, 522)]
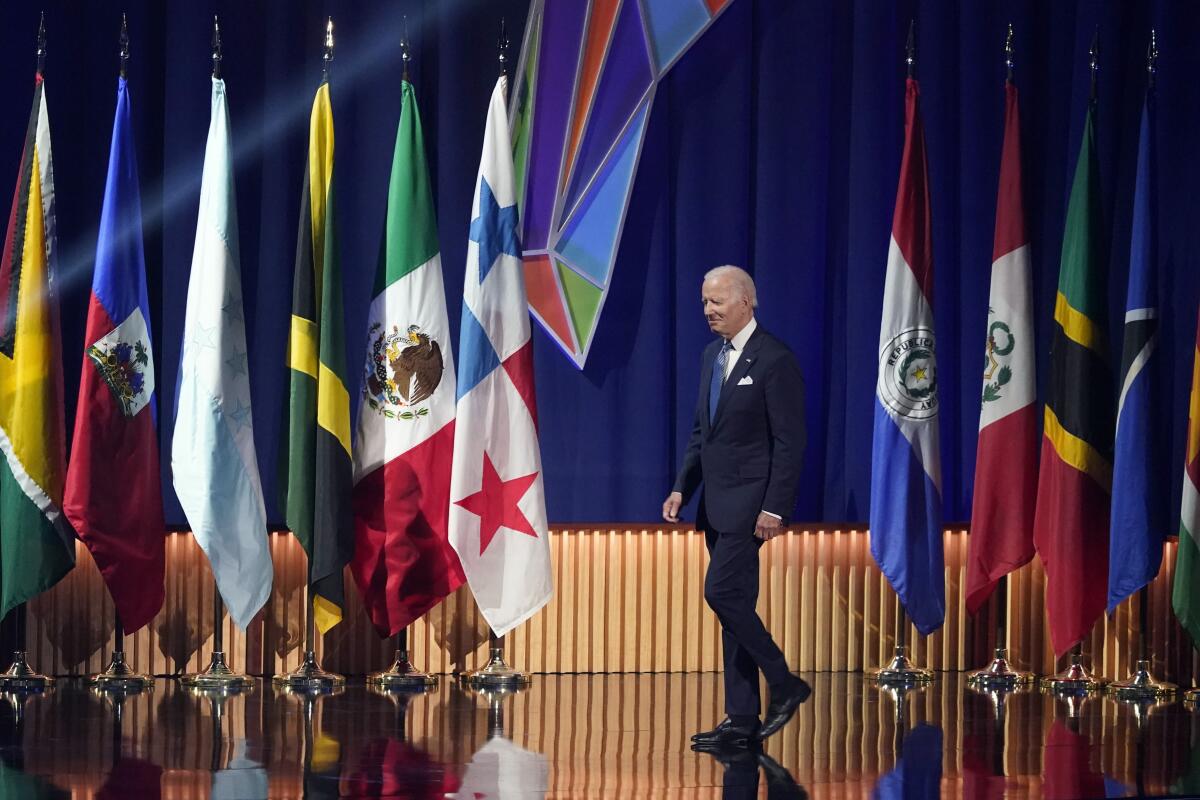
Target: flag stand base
[(120, 677), (21, 676), (497, 675), (218, 677), (901, 671), (998, 674), (1074, 679), (1192, 696), (402, 675), (309, 677), (1141, 684)]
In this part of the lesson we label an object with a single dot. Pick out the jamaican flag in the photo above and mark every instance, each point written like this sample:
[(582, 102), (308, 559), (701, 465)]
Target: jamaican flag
[(316, 464), (1070, 529)]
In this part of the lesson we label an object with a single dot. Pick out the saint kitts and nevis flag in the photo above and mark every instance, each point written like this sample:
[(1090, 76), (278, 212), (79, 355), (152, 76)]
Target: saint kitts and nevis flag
[(498, 503), (315, 461), (1070, 528), (213, 461), (1006, 459), (403, 563), (1139, 502), (113, 494), (906, 474), (37, 546)]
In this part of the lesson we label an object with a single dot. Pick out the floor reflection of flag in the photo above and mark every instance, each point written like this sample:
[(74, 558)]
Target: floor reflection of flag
[(394, 769), (243, 777), (14, 783), (1068, 769), (132, 777), (500, 770), (918, 771)]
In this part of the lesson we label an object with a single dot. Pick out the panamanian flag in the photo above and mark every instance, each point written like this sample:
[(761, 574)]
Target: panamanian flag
[(113, 495), (498, 504), (906, 469)]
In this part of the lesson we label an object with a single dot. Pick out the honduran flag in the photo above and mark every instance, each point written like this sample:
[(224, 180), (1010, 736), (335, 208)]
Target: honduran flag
[(498, 504), (1006, 459), (906, 472), (113, 494)]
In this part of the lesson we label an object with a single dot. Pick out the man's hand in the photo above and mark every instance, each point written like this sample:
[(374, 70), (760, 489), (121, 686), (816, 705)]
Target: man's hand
[(671, 507), (768, 526)]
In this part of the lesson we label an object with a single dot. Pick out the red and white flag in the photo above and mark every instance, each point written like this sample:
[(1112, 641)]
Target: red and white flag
[(498, 504), (1007, 457)]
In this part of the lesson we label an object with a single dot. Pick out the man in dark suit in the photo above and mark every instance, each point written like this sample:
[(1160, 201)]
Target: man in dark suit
[(745, 448)]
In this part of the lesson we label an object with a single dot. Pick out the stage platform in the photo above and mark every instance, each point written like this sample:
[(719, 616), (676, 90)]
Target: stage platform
[(579, 736)]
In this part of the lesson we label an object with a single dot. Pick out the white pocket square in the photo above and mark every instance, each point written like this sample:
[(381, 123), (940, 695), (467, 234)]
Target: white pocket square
[(746, 381)]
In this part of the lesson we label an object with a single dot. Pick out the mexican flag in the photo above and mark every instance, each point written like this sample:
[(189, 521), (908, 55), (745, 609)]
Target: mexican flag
[(1185, 596), (403, 564)]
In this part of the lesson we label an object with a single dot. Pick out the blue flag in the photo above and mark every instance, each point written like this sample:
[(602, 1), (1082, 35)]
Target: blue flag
[(1139, 505), (213, 461)]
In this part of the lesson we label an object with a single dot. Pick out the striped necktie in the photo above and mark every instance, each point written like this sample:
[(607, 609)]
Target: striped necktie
[(718, 379)]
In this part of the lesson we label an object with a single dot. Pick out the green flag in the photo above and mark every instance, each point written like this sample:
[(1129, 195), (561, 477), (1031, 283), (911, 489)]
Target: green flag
[(317, 453)]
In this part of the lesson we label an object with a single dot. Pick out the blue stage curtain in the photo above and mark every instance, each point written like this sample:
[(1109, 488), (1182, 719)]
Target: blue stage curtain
[(773, 144)]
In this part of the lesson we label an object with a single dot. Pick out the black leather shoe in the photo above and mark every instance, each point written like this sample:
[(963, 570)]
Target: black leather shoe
[(730, 756), (782, 706), (728, 734)]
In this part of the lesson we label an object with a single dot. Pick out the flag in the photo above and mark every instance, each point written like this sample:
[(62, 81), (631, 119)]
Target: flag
[(1006, 458), (317, 468), (37, 545), (906, 470), (403, 564), (114, 494), (1139, 507), (213, 462), (1070, 528), (498, 510), (1185, 592)]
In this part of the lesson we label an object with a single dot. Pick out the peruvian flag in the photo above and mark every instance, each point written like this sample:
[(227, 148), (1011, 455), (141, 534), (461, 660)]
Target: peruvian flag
[(403, 564), (1007, 456), (498, 505), (113, 495)]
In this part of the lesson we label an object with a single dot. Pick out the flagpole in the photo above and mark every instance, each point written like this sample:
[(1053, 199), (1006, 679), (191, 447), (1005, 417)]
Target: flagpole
[(20, 675), (309, 677), (1142, 685), (119, 676), (999, 674)]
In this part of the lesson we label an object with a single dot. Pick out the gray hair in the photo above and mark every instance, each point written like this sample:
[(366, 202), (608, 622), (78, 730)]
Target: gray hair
[(740, 278)]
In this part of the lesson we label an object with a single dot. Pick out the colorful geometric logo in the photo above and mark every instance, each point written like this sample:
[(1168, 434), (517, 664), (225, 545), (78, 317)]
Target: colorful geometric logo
[(584, 88)]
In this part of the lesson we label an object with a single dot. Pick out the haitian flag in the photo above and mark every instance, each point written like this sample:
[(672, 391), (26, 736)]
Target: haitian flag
[(403, 563), (113, 494), (1139, 503), (498, 511), (1006, 458), (37, 546), (906, 469), (1070, 528)]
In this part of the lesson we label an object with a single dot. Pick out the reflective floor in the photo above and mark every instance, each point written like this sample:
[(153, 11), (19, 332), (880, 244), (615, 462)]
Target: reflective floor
[(579, 736)]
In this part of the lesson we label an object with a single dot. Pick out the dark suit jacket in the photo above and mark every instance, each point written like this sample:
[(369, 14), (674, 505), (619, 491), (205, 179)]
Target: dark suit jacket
[(749, 458)]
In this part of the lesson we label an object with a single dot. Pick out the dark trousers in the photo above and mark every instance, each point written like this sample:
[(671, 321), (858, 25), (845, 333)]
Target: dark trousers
[(731, 590)]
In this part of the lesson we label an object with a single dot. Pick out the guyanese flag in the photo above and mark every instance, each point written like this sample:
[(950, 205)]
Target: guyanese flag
[(316, 465), (1070, 529), (37, 545)]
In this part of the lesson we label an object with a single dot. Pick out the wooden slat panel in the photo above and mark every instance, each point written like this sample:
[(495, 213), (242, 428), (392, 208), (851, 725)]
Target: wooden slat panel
[(626, 600)]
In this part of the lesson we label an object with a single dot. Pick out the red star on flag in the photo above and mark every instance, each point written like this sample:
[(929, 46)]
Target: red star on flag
[(496, 504)]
